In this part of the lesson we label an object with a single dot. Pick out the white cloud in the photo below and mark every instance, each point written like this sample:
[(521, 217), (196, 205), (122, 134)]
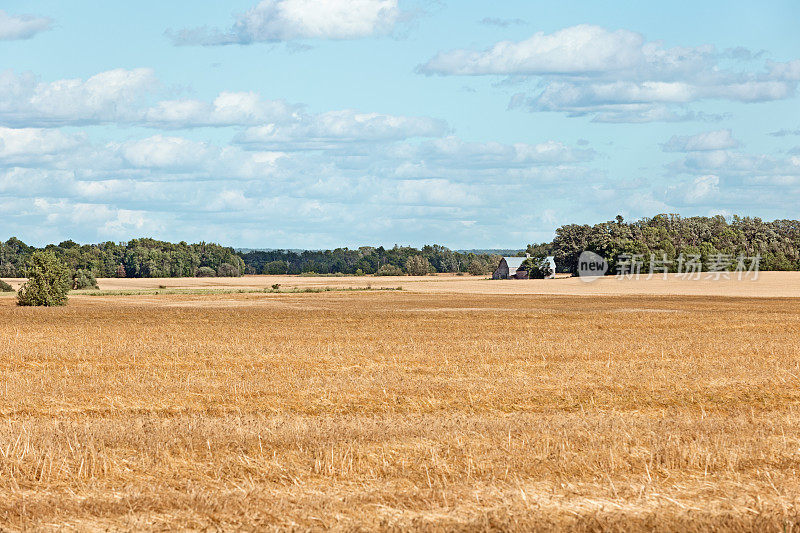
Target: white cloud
[(227, 109), (618, 76), (702, 188), (348, 126), (13, 27), (111, 96), (582, 49), (287, 20), (149, 185), (453, 152), (435, 192), (702, 142), (17, 144), (108, 221), (163, 152), (123, 97)]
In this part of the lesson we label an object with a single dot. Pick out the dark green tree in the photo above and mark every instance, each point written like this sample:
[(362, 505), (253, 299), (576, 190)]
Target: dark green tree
[(48, 281)]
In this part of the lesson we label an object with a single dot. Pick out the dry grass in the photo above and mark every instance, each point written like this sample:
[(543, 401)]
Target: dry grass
[(400, 410), (768, 285)]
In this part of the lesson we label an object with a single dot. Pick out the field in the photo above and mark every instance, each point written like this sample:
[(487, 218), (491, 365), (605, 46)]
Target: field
[(455, 403)]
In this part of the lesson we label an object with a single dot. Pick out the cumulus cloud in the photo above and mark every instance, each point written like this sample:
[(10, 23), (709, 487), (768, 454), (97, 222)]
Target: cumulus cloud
[(71, 185), (111, 96), (617, 76), (348, 126), (288, 20), (729, 179), (475, 155), (702, 188), (702, 142), (19, 144), (227, 109), (582, 49), (14, 27), (125, 97), (437, 192)]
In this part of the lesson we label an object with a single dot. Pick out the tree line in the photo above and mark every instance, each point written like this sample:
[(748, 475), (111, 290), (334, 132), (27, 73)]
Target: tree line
[(138, 258), (667, 238), (150, 258), (397, 260)]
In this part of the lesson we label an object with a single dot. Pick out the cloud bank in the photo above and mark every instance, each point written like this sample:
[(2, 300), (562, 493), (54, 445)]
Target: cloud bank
[(618, 76)]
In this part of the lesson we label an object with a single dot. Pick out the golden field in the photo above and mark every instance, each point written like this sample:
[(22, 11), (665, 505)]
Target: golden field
[(429, 409)]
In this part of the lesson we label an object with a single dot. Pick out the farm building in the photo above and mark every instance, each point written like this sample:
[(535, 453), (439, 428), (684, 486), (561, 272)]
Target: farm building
[(508, 268), (551, 262)]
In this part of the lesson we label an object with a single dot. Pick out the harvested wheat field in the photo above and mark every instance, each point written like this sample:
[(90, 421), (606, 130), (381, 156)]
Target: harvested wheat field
[(399, 409)]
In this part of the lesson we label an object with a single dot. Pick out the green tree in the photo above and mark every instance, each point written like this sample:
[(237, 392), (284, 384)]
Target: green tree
[(5, 287), (48, 281), (83, 279), (276, 267), (537, 268), (416, 265), (477, 267)]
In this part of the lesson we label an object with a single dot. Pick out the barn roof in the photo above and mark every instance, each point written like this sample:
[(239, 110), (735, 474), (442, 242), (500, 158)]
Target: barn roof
[(514, 262)]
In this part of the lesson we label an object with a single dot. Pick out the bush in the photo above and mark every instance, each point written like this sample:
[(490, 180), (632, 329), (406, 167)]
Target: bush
[(416, 265), (389, 270), (121, 271), (227, 270), (205, 272), (48, 281), (477, 267), (83, 279), (5, 287)]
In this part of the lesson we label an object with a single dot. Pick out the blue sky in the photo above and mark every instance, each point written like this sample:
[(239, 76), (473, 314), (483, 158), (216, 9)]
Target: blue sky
[(323, 123)]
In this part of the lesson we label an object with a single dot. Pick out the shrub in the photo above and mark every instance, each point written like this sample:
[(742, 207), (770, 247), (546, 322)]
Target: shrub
[(121, 271), (5, 287), (227, 270), (48, 281), (389, 270), (416, 265), (205, 272), (84, 279)]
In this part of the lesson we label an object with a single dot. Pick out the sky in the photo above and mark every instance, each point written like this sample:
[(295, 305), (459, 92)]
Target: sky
[(327, 123)]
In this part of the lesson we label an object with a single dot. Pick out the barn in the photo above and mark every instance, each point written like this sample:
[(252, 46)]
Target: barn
[(508, 269)]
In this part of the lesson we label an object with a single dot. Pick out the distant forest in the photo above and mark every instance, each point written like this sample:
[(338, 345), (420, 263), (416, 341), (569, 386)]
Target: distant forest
[(670, 236), (150, 258), (777, 243)]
